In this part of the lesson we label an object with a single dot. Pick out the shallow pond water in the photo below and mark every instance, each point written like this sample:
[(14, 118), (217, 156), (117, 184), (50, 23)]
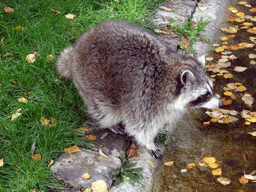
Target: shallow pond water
[(230, 143)]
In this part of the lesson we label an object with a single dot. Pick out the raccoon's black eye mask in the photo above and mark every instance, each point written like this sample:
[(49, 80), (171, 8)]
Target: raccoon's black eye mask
[(202, 99)]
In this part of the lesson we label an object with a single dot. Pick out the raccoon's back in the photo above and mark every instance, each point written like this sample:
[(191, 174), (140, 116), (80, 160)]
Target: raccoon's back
[(120, 60)]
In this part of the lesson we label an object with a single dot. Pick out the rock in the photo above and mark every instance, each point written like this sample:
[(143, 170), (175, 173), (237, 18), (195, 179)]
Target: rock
[(71, 167)]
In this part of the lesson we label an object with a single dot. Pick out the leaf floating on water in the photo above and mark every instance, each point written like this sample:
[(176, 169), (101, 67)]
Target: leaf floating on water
[(219, 49), (253, 133), (217, 171), (241, 88), (252, 56), (209, 160), (243, 180), (224, 181), (169, 163), (191, 165), (229, 75), (240, 69), (248, 100)]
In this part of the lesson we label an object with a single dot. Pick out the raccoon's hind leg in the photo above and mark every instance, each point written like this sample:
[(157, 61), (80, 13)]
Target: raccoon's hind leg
[(145, 136)]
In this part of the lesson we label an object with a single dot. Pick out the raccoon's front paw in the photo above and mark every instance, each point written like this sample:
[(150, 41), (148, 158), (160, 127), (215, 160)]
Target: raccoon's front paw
[(156, 153)]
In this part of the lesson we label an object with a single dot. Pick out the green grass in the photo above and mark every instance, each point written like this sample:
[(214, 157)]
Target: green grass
[(46, 31), (189, 32)]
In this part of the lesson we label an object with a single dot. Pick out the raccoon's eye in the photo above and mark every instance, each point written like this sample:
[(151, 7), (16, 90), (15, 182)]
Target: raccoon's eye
[(202, 99)]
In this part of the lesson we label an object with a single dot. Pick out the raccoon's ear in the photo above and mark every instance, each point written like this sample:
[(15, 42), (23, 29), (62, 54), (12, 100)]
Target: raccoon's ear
[(186, 77), (201, 60)]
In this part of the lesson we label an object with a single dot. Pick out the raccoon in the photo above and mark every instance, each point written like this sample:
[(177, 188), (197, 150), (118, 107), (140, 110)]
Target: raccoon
[(125, 73)]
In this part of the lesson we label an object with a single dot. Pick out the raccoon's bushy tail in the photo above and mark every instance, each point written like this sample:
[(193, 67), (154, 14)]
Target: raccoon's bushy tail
[(64, 62)]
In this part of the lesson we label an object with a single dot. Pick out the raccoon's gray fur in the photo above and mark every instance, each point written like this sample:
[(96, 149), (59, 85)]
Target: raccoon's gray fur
[(127, 74)]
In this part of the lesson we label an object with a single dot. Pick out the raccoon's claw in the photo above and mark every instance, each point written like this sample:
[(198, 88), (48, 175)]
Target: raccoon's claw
[(156, 153)]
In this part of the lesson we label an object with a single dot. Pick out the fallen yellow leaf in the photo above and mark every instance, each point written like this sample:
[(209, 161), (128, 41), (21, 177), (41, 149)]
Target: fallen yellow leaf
[(170, 163), (71, 149), (1, 162), (91, 137), (209, 160), (224, 181), (86, 176), (152, 164), (241, 88), (229, 75), (252, 10), (36, 157), (243, 180), (217, 171), (242, 2), (219, 49), (19, 28), (223, 38), (22, 100), (191, 165), (213, 165)]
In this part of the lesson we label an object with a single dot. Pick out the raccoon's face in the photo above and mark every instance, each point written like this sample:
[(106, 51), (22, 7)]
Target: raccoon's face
[(196, 91)]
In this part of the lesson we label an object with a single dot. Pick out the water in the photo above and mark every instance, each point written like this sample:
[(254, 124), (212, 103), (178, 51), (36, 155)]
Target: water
[(231, 145)]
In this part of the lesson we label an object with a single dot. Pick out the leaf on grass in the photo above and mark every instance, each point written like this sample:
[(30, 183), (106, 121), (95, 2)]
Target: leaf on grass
[(169, 163), (1, 162), (250, 177), (243, 180), (248, 100), (229, 75), (16, 114), (91, 137), (50, 163), (70, 16), (31, 58), (72, 149), (8, 55), (49, 58), (22, 100), (152, 164), (209, 160), (240, 14), (44, 121), (111, 9), (81, 131), (36, 157), (217, 171), (8, 10), (86, 176), (202, 164), (191, 165), (132, 151), (19, 28), (183, 170), (224, 181)]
